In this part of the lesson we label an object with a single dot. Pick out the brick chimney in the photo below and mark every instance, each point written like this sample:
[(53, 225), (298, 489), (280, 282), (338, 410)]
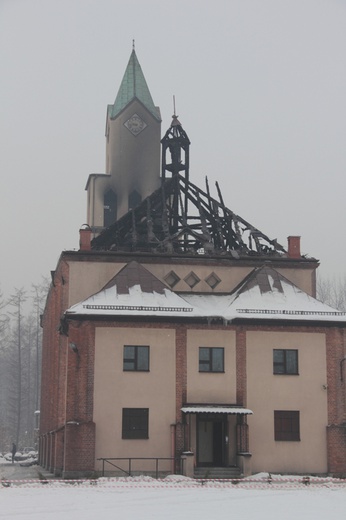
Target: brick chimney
[(85, 238), (294, 247)]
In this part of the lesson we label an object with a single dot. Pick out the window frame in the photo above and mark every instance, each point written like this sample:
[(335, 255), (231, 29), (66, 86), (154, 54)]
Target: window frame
[(287, 425), (135, 423), (211, 362), (285, 363), (136, 359)]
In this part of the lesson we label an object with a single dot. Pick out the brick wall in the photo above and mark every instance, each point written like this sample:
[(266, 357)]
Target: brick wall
[(241, 365), (336, 439), (53, 372), (79, 454), (336, 375), (59, 452)]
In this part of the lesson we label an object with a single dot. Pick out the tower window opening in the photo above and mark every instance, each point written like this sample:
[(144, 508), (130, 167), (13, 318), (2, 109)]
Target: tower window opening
[(134, 199), (109, 208)]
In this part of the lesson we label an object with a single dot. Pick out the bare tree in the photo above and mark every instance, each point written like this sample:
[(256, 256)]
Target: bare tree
[(5, 432), (20, 365), (332, 291), (17, 301), (39, 295)]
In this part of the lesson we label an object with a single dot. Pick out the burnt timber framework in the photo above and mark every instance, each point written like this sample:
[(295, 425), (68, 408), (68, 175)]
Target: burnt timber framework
[(180, 218)]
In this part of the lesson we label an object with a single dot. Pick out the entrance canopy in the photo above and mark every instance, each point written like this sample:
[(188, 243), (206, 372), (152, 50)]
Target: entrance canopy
[(213, 408)]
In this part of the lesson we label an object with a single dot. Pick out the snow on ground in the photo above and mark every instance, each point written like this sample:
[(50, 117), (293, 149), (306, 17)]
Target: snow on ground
[(174, 497)]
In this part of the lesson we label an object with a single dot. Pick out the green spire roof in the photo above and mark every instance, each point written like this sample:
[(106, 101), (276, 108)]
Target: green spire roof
[(133, 86)]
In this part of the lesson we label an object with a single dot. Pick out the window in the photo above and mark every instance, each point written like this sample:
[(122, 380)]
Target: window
[(136, 358), (286, 425), (285, 361), (109, 208), (211, 359), (135, 423)]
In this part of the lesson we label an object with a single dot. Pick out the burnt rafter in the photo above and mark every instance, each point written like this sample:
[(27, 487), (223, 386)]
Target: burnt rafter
[(180, 218)]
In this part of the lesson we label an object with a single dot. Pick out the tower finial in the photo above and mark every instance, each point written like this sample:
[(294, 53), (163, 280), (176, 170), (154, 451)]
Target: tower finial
[(174, 116), (133, 44)]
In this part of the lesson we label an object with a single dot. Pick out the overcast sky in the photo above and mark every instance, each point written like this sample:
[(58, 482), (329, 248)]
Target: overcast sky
[(260, 89)]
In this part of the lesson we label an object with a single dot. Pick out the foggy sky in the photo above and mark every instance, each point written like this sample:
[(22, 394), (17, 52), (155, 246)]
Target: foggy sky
[(260, 90)]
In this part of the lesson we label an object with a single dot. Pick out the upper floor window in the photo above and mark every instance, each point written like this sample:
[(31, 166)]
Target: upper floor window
[(136, 358), (135, 423), (285, 361), (211, 359), (286, 425)]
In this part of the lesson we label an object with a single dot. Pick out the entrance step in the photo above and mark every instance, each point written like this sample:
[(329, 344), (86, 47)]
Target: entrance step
[(231, 472)]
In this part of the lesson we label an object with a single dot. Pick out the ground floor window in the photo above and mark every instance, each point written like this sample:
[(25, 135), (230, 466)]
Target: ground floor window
[(286, 425), (135, 423)]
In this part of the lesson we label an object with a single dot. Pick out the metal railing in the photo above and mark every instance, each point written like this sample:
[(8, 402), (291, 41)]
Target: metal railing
[(130, 470)]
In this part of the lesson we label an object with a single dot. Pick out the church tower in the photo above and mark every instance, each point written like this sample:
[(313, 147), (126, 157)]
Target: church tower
[(133, 131)]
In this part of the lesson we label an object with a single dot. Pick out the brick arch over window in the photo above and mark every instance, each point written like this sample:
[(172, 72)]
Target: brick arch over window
[(109, 208), (134, 199)]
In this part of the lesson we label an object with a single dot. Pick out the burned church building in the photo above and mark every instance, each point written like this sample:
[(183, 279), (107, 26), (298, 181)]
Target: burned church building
[(181, 334)]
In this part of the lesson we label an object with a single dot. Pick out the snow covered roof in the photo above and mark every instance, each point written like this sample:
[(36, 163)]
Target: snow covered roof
[(134, 290), (264, 294)]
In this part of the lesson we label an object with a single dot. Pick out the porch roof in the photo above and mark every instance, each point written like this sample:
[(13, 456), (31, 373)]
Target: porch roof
[(213, 408)]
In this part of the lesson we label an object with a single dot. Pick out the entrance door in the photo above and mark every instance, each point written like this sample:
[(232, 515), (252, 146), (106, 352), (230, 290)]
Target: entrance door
[(211, 439)]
